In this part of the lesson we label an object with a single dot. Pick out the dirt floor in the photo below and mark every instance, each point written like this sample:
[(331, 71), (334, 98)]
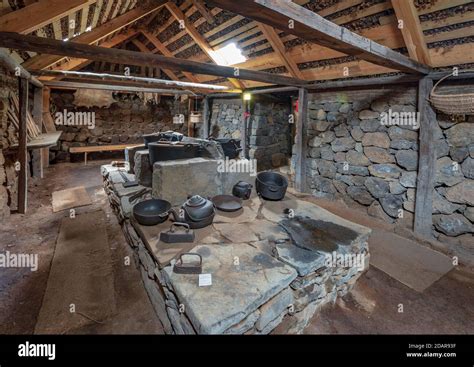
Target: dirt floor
[(372, 307)]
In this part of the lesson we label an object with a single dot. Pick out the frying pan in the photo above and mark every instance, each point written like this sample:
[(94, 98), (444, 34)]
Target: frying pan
[(227, 203), (151, 212)]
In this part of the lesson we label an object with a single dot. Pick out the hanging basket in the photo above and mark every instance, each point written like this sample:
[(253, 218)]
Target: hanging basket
[(452, 104)]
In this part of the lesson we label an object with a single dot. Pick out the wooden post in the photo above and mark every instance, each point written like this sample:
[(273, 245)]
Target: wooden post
[(205, 117), (243, 130), (22, 148), (190, 124), (37, 155), (301, 140), (426, 162)]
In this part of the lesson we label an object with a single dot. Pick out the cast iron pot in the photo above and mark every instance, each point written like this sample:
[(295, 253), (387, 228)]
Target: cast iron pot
[(242, 190), (151, 212), (163, 136), (231, 147), (197, 211), (166, 151), (271, 185)]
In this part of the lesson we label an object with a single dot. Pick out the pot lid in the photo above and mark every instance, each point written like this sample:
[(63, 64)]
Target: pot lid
[(195, 201)]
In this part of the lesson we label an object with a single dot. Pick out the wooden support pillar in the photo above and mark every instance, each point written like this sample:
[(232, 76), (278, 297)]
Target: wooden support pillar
[(37, 154), (22, 148), (426, 162), (244, 127), (205, 117), (301, 140)]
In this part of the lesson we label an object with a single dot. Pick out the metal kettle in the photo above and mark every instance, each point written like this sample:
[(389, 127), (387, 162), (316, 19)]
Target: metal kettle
[(242, 190), (197, 211)]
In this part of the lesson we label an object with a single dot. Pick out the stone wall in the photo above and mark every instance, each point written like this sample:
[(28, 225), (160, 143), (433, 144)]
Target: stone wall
[(352, 155), (8, 137), (268, 128), (125, 121)]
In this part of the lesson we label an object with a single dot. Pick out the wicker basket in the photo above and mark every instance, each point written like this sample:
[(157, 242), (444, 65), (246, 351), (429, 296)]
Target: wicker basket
[(452, 104)]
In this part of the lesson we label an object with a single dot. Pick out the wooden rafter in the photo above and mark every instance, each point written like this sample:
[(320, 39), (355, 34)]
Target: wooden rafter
[(77, 50), (160, 47), (37, 15), (199, 39), (143, 48), (201, 7), (292, 18), (279, 49), (95, 35), (410, 27)]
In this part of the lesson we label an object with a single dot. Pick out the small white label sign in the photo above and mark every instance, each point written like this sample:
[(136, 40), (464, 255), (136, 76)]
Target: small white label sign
[(205, 280)]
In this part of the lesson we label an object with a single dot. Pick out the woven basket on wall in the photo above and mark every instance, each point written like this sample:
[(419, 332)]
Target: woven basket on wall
[(452, 104)]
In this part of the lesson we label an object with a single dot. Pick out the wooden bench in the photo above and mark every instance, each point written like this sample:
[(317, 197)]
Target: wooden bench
[(100, 148)]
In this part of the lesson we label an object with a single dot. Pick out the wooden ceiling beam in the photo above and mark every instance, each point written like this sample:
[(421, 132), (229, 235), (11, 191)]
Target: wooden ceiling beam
[(199, 39), (77, 50), (37, 15), (292, 18), (95, 35), (206, 14), (410, 26)]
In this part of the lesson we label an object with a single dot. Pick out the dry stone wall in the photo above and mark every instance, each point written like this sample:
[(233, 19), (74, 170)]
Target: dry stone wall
[(125, 121), (353, 155), (8, 137), (268, 128)]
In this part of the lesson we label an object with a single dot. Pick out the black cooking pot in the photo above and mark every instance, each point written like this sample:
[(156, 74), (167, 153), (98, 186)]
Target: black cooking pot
[(231, 147), (151, 212), (271, 185), (166, 151), (197, 211), (242, 190), (163, 136)]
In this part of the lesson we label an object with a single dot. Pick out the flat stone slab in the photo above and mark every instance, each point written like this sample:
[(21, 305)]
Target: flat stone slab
[(304, 261), (236, 290), (236, 232)]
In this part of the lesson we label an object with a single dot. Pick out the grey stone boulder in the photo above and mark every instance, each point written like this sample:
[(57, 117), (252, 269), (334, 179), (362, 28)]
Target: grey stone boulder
[(392, 204), (142, 168), (356, 158), (378, 155), (369, 115), (357, 133), (331, 106), (327, 153), (315, 142), (322, 125), (408, 179), (370, 125), (468, 168), (443, 206), (315, 152), (460, 134), (360, 194), (327, 136), (342, 144), (341, 131), (448, 172), (458, 154), (397, 133), (462, 193), (323, 184), (396, 188), (388, 171), (345, 108), (403, 144), (408, 159), (441, 148), (377, 139), (379, 106), (348, 169), (326, 168), (377, 187), (469, 213), (452, 225)]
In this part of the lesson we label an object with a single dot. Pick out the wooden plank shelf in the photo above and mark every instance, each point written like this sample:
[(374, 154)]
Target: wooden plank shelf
[(43, 141)]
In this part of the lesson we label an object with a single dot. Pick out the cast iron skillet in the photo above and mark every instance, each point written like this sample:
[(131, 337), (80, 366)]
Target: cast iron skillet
[(151, 212)]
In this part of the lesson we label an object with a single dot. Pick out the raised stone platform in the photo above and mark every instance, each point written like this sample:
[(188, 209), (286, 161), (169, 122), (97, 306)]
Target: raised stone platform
[(263, 281)]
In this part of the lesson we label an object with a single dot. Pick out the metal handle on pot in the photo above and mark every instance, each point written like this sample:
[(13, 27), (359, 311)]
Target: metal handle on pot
[(179, 224)]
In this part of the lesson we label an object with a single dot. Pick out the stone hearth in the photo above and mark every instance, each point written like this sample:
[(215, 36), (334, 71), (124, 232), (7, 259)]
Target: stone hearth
[(261, 281)]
